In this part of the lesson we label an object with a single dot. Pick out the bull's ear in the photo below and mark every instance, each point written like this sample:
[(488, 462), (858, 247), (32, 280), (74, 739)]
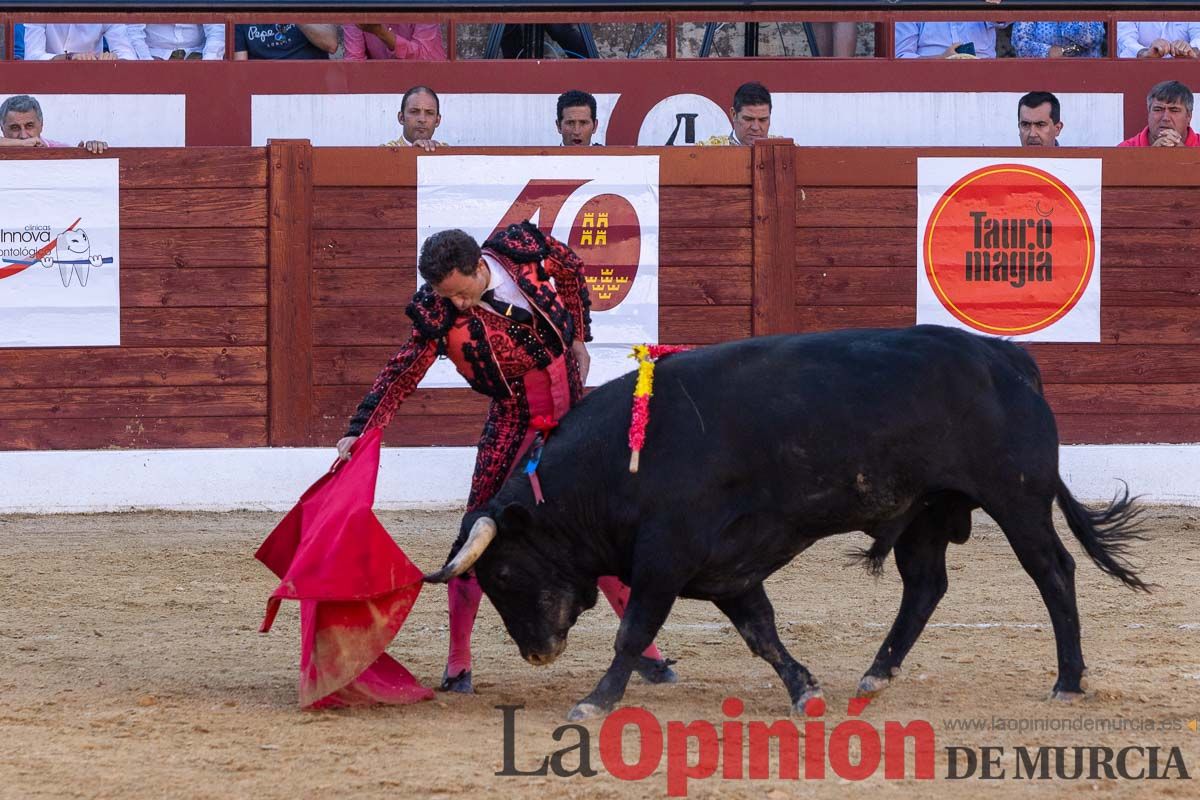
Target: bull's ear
[(515, 516)]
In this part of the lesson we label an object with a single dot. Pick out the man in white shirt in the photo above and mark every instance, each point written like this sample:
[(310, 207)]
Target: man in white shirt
[(154, 42), (940, 39), (77, 43), (1158, 39)]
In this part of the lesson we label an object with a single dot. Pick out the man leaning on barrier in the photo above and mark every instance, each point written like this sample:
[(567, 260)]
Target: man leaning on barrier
[(1158, 39), (419, 116), (21, 118), (284, 42), (165, 42), (77, 43)]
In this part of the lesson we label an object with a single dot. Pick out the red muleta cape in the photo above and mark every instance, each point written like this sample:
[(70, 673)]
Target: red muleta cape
[(354, 584)]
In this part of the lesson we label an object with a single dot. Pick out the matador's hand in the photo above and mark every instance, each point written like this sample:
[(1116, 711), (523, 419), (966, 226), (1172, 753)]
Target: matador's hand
[(343, 447), (584, 359)]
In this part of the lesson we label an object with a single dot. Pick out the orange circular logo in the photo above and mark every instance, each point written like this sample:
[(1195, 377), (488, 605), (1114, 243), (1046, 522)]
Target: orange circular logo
[(1009, 249)]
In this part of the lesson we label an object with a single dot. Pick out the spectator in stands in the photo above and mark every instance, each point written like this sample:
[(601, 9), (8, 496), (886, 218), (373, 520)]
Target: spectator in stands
[(77, 43), (417, 42), (172, 42), (517, 40), (1169, 118), (21, 118), (576, 121), (19, 41), (1058, 39), (834, 39), (284, 41), (944, 39), (420, 114), (1038, 120), (1158, 39), (750, 115)]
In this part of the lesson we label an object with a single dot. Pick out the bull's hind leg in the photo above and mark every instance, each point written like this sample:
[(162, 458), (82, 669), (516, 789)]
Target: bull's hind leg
[(1030, 531), (754, 617), (921, 560)]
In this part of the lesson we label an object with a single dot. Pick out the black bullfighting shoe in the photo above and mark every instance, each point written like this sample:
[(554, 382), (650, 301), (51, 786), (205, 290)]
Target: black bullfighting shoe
[(656, 671), (460, 683)]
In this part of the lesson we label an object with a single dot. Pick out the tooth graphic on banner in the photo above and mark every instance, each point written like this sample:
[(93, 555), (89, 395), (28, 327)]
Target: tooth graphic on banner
[(73, 255)]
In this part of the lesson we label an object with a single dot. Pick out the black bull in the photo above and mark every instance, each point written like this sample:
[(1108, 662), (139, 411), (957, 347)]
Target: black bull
[(755, 450)]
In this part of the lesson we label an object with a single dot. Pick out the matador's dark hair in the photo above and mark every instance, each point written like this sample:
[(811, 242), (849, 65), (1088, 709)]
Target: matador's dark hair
[(446, 252)]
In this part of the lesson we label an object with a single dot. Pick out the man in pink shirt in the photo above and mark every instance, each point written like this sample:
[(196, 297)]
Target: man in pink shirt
[(1169, 118), (21, 123), (421, 42)]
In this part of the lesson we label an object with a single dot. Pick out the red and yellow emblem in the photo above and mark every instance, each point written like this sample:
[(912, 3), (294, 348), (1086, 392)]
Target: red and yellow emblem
[(607, 236)]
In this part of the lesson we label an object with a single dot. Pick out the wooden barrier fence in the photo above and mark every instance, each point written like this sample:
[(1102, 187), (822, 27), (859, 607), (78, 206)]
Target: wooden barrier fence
[(263, 288)]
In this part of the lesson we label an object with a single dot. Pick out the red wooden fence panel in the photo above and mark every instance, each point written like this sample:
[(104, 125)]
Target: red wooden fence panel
[(191, 370), (290, 318)]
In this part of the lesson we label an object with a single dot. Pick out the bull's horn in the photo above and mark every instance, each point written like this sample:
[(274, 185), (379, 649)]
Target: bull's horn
[(481, 535)]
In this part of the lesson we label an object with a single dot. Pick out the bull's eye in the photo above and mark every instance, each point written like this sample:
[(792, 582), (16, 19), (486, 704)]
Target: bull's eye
[(503, 577)]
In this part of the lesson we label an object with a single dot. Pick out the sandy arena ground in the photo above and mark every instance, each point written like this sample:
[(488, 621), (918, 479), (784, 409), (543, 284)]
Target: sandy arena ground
[(130, 667)]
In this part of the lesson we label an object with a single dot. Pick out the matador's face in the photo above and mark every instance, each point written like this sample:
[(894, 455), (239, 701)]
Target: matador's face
[(464, 290)]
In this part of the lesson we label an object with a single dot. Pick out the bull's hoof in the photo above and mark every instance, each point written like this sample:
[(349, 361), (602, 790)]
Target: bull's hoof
[(460, 683), (1063, 696), (583, 711), (656, 671), (871, 685), (810, 694)]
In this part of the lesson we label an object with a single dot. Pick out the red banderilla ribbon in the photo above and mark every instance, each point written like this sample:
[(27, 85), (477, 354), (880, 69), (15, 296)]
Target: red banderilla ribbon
[(543, 424)]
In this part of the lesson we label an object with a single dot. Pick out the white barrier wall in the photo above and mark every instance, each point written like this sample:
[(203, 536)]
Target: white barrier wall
[(938, 119), (892, 119), (430, 477), (819, 119), (816, 119), (468, 120), (122, 120)]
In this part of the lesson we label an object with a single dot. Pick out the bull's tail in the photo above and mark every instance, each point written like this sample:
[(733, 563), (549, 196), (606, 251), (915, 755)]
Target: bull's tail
[(1106, 534)]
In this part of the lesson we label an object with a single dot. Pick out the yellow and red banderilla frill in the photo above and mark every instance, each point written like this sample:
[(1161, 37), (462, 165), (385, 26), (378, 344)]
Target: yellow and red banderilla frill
[(646, 355)]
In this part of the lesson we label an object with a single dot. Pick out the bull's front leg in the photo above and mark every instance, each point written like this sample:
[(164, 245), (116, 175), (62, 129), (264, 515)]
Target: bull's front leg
[(645, 614), (754, 617)]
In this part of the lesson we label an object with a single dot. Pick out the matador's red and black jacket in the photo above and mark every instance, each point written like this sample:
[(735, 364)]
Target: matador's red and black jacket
[(487, 349)]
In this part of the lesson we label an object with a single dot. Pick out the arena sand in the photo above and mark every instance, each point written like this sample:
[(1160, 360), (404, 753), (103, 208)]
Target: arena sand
[(131, 667)]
